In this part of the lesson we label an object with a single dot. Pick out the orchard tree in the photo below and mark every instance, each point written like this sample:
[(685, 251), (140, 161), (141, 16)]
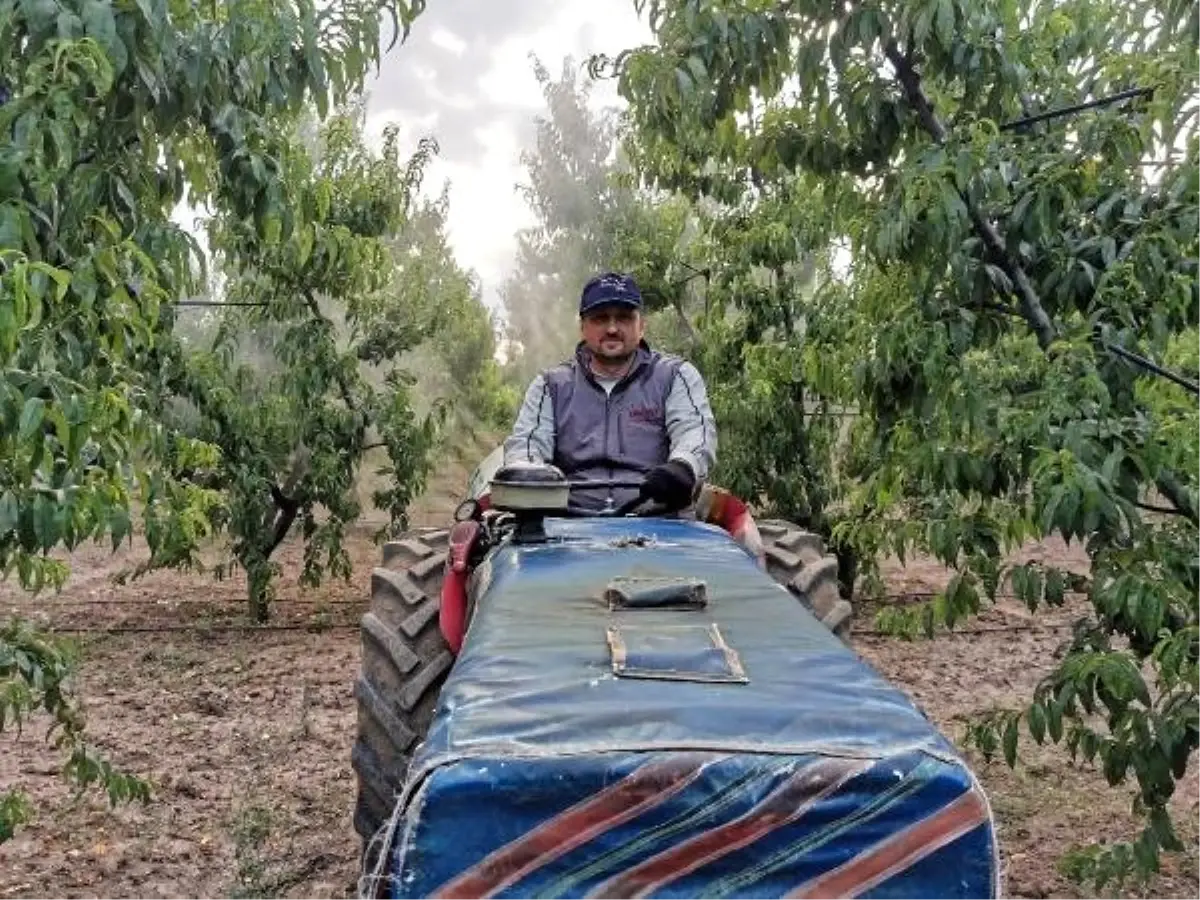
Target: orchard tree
[(321, 304), (740, 276), (570, 192), (112, 114), (1006, 293), (589, 216), (457, 362)]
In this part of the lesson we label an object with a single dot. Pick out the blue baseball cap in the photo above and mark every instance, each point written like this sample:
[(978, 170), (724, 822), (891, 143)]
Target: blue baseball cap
[(608, 289)]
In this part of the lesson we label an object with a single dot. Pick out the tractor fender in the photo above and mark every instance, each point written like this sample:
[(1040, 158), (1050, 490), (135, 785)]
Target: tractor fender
[(452, 616), (718, 506)]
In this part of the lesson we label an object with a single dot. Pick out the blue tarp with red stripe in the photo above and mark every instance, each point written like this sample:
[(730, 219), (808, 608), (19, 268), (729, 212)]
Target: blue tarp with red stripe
[(799, 772)]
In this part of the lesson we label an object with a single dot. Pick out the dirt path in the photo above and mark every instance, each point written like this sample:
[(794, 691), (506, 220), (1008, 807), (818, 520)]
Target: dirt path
[(246, 737)]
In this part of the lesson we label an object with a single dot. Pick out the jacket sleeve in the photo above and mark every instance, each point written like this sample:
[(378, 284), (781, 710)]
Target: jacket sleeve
[(691, 428), (532, 437)]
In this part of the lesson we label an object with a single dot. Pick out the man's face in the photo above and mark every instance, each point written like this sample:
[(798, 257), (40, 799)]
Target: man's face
[(612, 332)]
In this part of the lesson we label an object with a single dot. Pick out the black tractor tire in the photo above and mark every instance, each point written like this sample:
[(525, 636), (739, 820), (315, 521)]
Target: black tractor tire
[(797, 559), (405, 662)]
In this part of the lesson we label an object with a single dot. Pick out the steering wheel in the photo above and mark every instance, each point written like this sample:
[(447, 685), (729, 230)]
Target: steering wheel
[(637, 506)]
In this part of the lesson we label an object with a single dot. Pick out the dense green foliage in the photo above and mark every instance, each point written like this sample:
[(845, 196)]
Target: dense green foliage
[(926, 292), (34, 677), (292, 424), (114, 113)]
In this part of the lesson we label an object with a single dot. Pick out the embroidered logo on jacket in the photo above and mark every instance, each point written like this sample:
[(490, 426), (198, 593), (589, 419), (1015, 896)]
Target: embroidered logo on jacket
[(648, 414)]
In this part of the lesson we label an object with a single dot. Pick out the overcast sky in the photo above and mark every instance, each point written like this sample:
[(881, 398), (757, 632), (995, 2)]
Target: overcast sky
[(465, 77)]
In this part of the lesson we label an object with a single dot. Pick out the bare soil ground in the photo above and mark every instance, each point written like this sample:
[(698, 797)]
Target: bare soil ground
[(246, 734)]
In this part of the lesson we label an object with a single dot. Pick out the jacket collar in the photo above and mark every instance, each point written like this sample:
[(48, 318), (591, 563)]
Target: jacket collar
[(641, 358)]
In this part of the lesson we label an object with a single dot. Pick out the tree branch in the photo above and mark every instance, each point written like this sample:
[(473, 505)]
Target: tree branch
[(281, 527), (683, 320), (343, 388), (1031, 308), (1031, 305), (285, 501), (1031, 118), (1180, 497), (1150, 366)]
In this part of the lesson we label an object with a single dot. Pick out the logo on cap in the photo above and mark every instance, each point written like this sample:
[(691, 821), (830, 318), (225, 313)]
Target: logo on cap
[(610, 287)]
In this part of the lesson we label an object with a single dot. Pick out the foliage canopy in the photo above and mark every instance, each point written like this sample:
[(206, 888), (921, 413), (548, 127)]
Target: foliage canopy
[(113, 114), (952, 302)]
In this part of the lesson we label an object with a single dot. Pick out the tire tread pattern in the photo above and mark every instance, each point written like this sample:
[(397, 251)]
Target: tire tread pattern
[(797, 560), (405, 662)]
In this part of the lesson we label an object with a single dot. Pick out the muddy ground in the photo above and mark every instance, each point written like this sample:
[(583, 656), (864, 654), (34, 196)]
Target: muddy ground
[(246, 736)]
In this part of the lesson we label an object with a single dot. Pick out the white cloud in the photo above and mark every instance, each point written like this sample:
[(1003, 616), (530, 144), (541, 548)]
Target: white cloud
[(440, 37), (490, 96)]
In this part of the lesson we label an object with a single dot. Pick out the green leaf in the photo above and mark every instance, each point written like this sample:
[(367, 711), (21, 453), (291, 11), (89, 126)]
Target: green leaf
[(41, 14), (1021, 210), (1037, 722), (120, 525), (1054, 719), (45, 523), (9, 512), (155, 21), (945, 22), (100, 24), (32, 416), (999, 278), (70, 26), (1009, 741), (13, 225)]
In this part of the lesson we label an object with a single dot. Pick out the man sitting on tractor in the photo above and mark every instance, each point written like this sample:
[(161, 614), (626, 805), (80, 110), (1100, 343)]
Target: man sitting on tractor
[(618, 408)]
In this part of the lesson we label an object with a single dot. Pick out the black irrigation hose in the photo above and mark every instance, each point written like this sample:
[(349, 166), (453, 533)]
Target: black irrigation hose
[(301, 601), (919, 595), (284, 604), (1078, 107), (1151, 366), (954, 632), (206, 629), (346, 626)]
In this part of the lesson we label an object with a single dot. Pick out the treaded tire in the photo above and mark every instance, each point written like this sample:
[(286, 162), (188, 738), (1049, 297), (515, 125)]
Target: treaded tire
[(797, 559), (405, 662)]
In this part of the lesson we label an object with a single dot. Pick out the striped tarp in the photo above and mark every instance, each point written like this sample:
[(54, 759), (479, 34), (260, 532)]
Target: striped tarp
[(550, 772), (696, 825)]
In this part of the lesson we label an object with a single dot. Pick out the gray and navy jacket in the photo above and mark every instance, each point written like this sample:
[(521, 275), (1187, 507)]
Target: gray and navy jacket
[(658, 411)]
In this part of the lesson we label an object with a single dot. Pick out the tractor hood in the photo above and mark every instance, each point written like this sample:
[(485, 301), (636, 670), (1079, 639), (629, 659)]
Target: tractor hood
[(726, 745)]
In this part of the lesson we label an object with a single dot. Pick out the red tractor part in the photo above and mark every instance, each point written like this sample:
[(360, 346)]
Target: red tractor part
[(719, 507), (452, 618)]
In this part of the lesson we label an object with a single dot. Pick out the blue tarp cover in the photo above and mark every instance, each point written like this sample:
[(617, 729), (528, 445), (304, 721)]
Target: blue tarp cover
[(547, 774)]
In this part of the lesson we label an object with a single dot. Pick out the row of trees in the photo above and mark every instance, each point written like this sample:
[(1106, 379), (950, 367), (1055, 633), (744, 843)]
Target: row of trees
[(147, 385), (933, 312), (941, 309)]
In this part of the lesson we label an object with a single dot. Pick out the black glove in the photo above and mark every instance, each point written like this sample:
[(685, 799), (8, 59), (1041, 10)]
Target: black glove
[(670, 484)]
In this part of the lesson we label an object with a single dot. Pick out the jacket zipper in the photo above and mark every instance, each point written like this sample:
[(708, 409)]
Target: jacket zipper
[(611, 471), (608, 395)]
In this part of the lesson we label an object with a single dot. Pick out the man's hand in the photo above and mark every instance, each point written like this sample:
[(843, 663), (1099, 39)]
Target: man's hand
[(670, 484)]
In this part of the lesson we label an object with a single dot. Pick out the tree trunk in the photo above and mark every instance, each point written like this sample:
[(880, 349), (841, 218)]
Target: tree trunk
[(259, 579)]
